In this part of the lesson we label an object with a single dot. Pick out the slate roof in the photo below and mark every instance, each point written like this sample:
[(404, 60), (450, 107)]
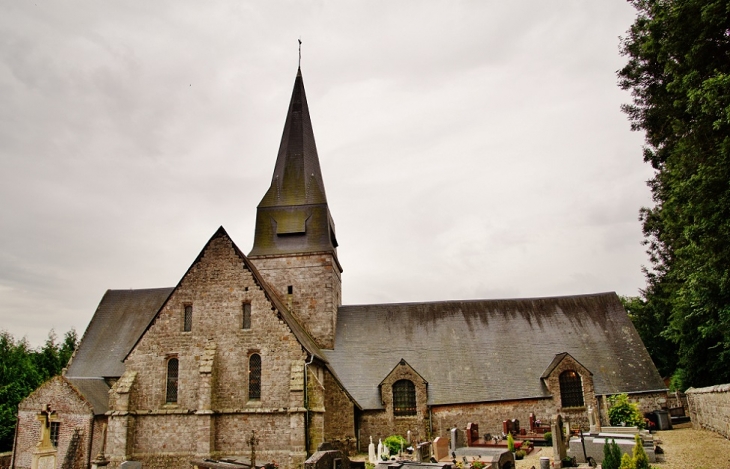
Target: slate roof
[(293, 216), (490, 350), (119, 320), (95, 391)]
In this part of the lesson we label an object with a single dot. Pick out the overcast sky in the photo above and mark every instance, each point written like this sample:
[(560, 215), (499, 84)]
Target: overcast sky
[(470, 149)]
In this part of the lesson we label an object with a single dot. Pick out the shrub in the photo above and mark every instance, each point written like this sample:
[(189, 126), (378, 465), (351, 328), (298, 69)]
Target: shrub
[(394, 443), (627, 462), (608, 461), (510, 442), (623, 411), (548, 438), (520, 454), (641, 460), (611, 455)]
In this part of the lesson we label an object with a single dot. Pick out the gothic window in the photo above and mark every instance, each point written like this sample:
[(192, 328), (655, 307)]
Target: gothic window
[(188, 319), (172, 373), (246, 316), (404, 398), (254, 377), (571, 389), (55, 428)]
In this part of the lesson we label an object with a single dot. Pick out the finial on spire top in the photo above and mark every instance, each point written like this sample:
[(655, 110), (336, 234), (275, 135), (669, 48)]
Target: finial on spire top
[(300, 52)]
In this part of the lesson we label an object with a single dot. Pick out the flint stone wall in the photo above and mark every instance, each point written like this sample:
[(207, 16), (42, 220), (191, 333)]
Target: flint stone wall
[(709, 408)]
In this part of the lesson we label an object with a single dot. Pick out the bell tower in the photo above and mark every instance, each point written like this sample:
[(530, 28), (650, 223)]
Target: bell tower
[(295, 247)]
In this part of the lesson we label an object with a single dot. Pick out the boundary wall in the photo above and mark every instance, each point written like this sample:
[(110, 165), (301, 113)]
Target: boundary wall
[(709, 408)]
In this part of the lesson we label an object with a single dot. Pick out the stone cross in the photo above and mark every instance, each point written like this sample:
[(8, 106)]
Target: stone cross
[(45, 418), (559, 452)]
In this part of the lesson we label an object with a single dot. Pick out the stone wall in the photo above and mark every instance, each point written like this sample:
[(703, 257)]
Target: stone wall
[(72, 412), (380, 424), (213, 414), (339, 419), (316, 290), (489, 415), (709, 408)]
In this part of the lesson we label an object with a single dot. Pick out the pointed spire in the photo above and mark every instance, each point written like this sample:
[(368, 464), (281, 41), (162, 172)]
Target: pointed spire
[(297, 178), (293, 216)]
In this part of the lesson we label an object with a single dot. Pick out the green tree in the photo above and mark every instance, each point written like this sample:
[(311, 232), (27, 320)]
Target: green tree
[(23, 369), (18, 377), (678, 72), (651, 322)]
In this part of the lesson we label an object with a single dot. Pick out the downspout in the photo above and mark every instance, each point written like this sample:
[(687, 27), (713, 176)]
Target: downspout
[(306, 405), (91, 440), (15, 441), (430, 422)]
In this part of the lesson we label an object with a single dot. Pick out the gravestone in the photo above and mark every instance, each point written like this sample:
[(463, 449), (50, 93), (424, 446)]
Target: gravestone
[(327, 459), (440, 448), (472, 433), (457, 439), (372, 457)]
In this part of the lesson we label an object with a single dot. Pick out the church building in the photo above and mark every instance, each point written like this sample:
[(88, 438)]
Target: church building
[(256, 351)]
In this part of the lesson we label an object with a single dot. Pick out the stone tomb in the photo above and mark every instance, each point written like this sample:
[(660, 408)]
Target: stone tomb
[(625, 440)]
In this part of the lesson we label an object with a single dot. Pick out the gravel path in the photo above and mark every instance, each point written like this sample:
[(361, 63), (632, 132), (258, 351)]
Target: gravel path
[(684, 448)]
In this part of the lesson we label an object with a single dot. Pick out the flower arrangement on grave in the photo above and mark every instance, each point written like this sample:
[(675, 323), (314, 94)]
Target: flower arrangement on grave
[(477, 464), (520, 454)]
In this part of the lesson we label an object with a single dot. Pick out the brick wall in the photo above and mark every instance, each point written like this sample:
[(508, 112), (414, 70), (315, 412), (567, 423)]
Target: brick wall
[(71, 411), (709, 408), (317, 290)]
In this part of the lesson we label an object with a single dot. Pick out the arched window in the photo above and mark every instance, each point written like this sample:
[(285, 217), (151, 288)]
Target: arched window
[(571, 389), (254, 377), (404, 398), (172, 373)]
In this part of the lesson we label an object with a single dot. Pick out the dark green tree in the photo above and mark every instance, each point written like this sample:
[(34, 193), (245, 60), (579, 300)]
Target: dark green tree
[(678, 72), (18, 377), (651, 322), (23, 369)]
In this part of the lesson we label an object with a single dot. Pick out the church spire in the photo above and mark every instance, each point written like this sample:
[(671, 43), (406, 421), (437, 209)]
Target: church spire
[(293, 216)]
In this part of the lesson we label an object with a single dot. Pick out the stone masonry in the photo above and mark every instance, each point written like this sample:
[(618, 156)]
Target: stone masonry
[(212, 406), (709, 408), (316, 290)]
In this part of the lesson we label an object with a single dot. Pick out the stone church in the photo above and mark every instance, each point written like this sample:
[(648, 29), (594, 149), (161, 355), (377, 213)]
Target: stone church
[(258, 350)]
